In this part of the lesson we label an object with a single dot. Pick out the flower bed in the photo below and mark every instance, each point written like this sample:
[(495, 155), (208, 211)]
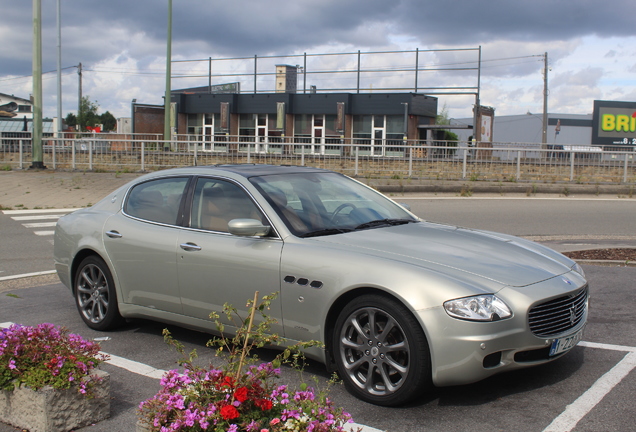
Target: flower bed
[(242, 395), (48, 380)]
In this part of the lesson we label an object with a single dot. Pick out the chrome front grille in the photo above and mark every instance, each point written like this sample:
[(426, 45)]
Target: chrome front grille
[(558, 315)]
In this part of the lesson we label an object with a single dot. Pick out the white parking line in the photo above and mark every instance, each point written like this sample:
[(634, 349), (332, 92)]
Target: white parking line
[(44, 233), (588, 400), (135, 367), (25, 275)]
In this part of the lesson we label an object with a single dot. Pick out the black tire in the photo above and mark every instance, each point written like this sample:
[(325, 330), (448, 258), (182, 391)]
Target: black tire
[(381, 352), (95, 295)]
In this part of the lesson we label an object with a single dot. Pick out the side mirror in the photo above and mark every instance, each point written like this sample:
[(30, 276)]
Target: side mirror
[(247, 228)]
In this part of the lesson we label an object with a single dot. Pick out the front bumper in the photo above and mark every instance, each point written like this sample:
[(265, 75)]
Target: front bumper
[(463, 352)]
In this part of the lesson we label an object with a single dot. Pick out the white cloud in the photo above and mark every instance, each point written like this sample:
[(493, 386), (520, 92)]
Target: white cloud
[(121, 44)]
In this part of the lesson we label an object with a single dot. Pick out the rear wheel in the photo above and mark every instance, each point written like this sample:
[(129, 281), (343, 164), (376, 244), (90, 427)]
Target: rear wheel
[(381, 351), (95, 295)]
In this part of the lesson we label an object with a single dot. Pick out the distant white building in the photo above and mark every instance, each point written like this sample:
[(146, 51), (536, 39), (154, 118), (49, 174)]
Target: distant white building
[(574, 129), (124, 125), (525, 131), (15, 107)]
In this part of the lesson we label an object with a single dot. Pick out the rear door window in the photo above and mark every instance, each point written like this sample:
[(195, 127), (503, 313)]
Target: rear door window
[(157, 200)]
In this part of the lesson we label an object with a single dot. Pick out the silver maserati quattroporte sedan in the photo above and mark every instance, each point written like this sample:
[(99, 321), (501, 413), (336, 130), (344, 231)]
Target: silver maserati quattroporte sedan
[(399, 303)]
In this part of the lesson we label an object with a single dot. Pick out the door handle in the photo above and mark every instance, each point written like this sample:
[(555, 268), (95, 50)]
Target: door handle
[(190, 247), (113, 234)]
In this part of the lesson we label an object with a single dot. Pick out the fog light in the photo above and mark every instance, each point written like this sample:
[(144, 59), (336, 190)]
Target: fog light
[(492, 360)]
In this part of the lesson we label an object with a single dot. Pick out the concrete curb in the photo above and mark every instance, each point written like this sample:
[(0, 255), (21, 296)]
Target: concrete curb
[(608, 263), (529, 189)]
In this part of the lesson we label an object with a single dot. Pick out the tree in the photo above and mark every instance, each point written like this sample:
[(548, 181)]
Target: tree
[(443, 119), (108, 121), (88, 114), (70, 120)]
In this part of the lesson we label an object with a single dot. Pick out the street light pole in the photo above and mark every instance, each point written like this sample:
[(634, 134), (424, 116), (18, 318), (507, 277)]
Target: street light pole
[(544, 137), (36, 136), (166, 118), (59, 70)]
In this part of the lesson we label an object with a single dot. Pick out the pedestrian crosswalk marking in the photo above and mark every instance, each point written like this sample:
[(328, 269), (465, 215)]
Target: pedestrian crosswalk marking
[(32, 217), (39, 225), (29, 216)]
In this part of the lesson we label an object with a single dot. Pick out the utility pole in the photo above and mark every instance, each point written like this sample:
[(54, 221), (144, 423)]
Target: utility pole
[(544, 137), (167, 106), (79, 101), (477, 111), (37, 161), (59, 70)]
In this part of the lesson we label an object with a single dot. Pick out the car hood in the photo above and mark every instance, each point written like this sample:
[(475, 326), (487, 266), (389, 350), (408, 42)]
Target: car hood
[(500, 258)]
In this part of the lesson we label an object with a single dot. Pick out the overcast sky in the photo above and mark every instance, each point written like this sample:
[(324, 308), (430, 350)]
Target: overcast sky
[(121, 44)]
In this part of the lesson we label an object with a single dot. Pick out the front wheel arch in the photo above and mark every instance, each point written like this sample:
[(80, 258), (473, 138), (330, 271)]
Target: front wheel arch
[(381, 297), (111, 318)]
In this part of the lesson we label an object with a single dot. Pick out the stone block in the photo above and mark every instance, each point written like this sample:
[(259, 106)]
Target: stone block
[(55, 410)]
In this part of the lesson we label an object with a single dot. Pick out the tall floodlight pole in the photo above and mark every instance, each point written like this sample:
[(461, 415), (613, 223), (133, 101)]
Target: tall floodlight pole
[(36, 143), (477, 113), (544, 137), (166, 118), (59, 68)]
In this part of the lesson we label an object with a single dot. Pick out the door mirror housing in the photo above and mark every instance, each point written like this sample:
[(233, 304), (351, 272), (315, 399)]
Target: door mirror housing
[(247, 228)]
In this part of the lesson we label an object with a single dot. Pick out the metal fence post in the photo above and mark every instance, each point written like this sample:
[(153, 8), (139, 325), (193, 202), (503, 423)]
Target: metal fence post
[(143, 156), (196, 153), (625, 168), (302, 155), (53, 142), (464, 159), (21, 154), (73, 153), (410, 150), (90, 155), (518, 164), (356, 164), (572, 156)]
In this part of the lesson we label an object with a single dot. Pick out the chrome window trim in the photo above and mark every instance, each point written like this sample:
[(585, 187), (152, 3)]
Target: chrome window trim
[(192, 179)]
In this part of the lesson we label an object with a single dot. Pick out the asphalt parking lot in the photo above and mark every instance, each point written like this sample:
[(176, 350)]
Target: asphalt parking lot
[(590, 389)]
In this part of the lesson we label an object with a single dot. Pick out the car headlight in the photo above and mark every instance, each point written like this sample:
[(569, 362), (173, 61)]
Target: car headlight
[(578, 269), (478, 308)]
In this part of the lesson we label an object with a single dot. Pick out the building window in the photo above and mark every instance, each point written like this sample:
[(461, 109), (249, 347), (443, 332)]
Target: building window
[(195, 124), (379, 135)]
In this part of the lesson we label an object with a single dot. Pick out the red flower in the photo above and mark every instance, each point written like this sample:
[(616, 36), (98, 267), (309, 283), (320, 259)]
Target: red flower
[(241, 394), (227, 382), (264, 404), (228, 412)]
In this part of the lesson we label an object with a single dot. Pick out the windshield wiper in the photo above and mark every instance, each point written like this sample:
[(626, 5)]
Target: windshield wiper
[(384, 222), (326, 231)]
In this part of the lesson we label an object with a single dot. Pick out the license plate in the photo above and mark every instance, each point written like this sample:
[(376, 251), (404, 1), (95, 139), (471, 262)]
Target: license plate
[(566, 343)]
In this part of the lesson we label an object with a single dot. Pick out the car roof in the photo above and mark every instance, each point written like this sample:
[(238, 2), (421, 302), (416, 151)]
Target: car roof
[(253, 170)]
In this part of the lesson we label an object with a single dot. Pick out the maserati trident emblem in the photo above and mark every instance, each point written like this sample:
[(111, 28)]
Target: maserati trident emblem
[(572, 315), (567, 281)]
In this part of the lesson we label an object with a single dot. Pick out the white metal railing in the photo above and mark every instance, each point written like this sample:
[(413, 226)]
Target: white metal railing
[(514, 162)]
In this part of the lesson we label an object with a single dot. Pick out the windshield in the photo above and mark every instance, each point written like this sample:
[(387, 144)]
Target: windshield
[(328, 203)]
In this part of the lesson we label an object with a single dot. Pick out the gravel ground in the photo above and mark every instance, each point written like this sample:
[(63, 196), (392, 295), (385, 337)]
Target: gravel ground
[(619, 254)]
